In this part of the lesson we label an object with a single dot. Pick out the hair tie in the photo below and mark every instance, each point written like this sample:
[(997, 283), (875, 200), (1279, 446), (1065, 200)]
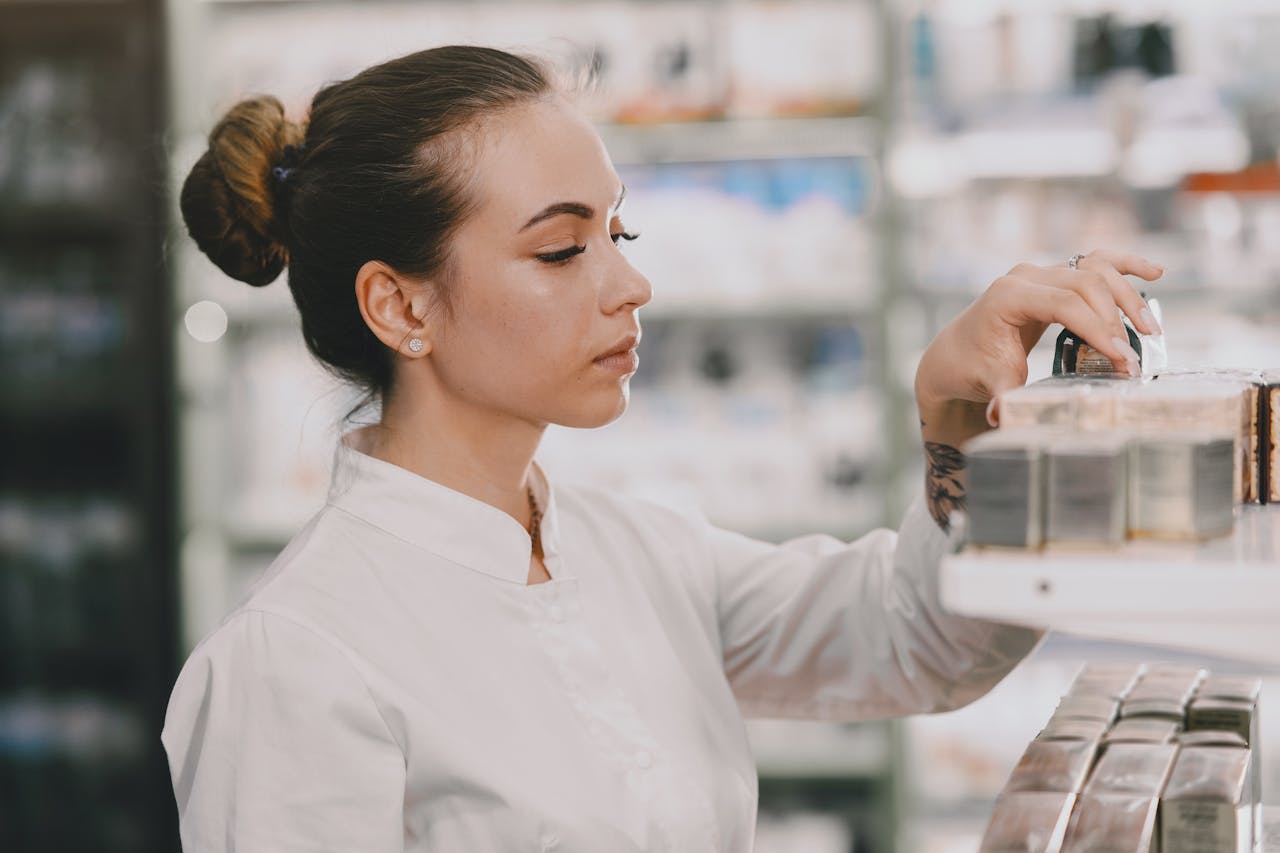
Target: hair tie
[(288, 162)]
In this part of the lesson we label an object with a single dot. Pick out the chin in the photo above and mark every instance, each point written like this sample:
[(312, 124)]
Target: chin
[(600, 412)]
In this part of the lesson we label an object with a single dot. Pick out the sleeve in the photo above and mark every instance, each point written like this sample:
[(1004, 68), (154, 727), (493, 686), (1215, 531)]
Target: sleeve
[(817, 628), (275, 744)]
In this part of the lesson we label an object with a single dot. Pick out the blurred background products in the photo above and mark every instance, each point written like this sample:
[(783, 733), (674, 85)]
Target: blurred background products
[(820, 184), (88, 567)]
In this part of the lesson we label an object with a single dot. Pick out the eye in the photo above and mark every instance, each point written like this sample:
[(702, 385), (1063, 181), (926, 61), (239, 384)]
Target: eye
[(561, 256), (622, 235)]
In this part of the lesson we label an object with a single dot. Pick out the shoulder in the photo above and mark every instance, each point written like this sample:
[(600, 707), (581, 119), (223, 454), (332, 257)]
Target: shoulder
[(324, 570), (253, 642), (298, 605)]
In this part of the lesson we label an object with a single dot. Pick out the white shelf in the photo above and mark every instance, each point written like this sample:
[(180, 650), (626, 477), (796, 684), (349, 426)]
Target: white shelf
[(740, 139), (1220, 598)]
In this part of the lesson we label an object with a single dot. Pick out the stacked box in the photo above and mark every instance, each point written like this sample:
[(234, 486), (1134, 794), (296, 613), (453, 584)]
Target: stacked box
[(1118, 807), (1028, 822), (1052, 767), (1196, 405), (1181, 486), (1086, 490), (1083, 707), (1208, 804), (1113, 680), (1092, 783), (1005, 497), (1253, 425)]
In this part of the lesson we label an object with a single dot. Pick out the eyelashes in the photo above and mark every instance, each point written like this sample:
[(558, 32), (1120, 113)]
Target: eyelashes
[(564, 255)]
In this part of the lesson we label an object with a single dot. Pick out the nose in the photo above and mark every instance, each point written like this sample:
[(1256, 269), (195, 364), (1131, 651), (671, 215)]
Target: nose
[(628, 288)]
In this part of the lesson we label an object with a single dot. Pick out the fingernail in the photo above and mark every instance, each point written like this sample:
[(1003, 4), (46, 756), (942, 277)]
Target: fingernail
[(991, 408), (1130, 357), (1150, 320)]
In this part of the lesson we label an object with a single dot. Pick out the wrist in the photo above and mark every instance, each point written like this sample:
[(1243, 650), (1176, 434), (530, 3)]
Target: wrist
[(945, 427), (951, 422)]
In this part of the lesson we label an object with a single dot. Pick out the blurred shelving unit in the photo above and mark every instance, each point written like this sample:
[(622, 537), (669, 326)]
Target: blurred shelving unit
[(87, 587)]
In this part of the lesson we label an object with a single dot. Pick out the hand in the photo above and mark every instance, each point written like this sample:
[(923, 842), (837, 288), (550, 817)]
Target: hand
[(983, 351)]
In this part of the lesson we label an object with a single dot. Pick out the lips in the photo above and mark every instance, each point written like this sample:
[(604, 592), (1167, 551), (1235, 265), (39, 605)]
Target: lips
[(627, 343)]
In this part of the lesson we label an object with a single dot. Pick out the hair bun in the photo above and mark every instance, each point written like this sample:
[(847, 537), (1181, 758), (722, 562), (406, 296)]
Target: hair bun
[(229, 200)]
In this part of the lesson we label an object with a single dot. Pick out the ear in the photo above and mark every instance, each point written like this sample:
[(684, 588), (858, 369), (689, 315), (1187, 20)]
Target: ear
[(391, 305)]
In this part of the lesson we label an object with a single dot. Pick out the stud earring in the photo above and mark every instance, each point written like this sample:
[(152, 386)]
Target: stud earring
[(415, 344)]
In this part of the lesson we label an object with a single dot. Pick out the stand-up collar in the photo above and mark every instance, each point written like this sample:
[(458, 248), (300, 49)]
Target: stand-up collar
[(436, 518)]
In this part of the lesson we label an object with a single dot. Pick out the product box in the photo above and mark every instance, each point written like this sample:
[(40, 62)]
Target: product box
[(1112, 823), (1113, 680), (1181, 486), (1076, 403), (1133, 769), (1252, 423), (1005, 500), (1052, 766), (1168, 682), (1197, 404), (1089, 730), (1230, 687), (1172, 710), (1142, 730), (1084, 707), (1028, 822), (1086, 490), (1208, 806), (1233, 715)]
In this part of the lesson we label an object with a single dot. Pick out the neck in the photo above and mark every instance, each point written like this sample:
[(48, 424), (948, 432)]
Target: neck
[(476, 450)]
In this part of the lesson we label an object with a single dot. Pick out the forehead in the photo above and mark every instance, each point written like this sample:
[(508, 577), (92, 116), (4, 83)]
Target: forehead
[(539, 154)]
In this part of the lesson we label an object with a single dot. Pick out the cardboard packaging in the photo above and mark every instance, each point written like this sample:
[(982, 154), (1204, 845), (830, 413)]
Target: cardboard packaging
[(1141, 730), (1114, 680), (1253, 426), (1218, 406), (1005, 501), (1089, 730), (1181, 486), (1084, 707), (1133, 769), (1028, 822), (1208, 806), (1052, 766), (1086, 490), (1112, 823)]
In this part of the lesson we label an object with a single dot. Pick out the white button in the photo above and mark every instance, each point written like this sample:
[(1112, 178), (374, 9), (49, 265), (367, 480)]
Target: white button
[(557, 612), (643, 758)]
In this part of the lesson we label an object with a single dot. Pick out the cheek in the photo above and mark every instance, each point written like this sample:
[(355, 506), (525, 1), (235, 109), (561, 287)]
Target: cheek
[(536, 326)]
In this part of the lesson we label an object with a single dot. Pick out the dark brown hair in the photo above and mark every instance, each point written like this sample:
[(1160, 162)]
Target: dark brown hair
[(378, 172)]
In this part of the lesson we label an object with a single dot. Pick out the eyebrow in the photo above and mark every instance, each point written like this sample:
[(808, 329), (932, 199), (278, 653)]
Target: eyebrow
[(573, 208)]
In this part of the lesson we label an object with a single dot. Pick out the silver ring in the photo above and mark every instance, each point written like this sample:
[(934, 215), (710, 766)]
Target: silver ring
[(1074, 261)]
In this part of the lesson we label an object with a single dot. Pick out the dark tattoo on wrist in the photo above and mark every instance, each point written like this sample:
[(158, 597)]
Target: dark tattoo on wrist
[(944, 490)]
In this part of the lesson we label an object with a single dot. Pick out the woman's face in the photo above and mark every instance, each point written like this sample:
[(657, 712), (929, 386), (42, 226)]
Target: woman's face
[(539, 281)]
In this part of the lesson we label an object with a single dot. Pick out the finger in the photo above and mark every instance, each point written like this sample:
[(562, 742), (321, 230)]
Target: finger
[(1091, 286), (1115, 290), (1129, 300), (1125, 263), (1022, 300)]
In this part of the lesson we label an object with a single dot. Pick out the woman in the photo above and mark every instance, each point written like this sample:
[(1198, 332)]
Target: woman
[(456, 654)]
